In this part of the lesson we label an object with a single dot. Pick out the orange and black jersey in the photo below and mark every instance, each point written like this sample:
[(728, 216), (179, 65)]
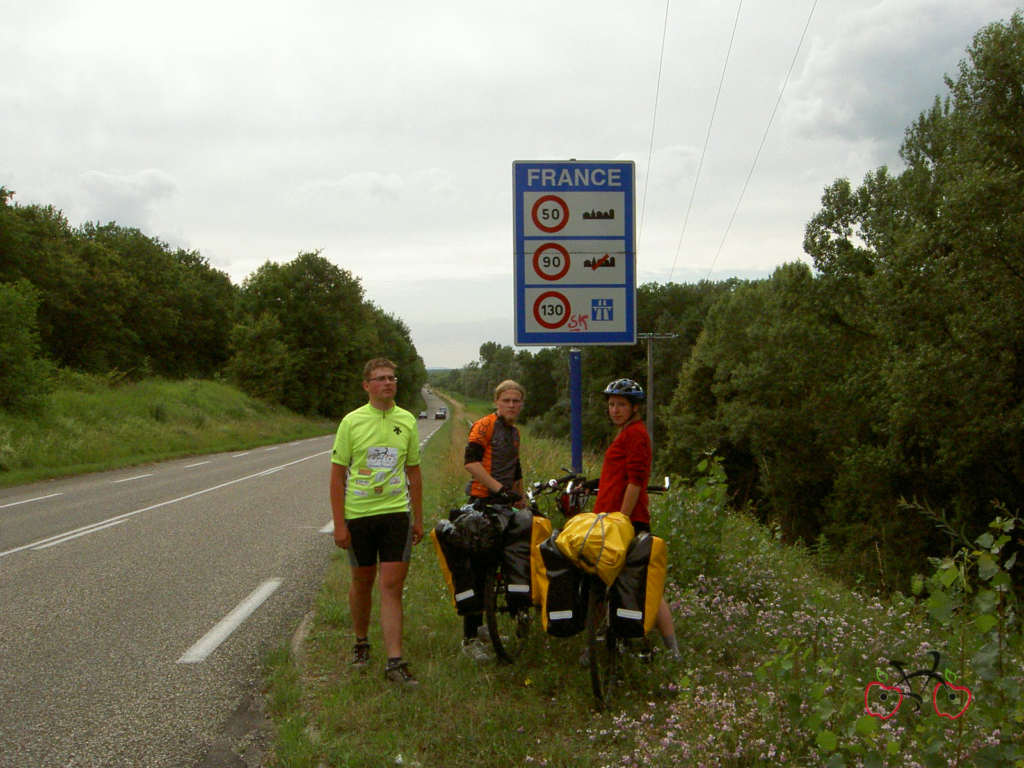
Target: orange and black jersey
[(495, 444)]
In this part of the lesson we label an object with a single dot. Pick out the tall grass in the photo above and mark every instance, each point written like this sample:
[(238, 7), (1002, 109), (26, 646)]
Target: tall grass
[(90, 424)]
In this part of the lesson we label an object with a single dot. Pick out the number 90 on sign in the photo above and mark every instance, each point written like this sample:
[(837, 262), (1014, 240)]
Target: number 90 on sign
[(551, 310), (551, 261)]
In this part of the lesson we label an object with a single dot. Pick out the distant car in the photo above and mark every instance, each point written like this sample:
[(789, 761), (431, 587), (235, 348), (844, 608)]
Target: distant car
[(423, 414), (441, 413)]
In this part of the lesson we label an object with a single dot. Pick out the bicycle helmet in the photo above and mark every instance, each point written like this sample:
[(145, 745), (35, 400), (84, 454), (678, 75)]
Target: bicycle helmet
[(626, 388)]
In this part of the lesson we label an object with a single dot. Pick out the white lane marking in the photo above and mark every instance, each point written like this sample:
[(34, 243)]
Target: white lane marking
[(240, 455), (28, 501), (129, 479), (61, 540), (102, 523), (272, 448), (208, 643), (197, 464)]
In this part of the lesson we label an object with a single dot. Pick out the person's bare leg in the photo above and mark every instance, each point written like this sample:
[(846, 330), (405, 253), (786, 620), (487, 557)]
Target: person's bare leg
[(666, 627), (392, 580), (360, 594)]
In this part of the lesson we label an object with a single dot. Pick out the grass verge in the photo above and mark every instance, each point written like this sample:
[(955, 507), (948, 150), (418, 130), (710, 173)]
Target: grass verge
[(776, 662), (87, 425)]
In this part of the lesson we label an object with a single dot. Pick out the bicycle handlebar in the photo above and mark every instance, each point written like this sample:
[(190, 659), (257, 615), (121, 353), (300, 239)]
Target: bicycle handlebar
[(575, 484)]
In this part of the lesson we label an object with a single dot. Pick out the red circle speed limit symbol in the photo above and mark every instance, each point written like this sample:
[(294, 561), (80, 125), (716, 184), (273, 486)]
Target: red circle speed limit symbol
[(551, 309), (551, 261), (550, 213)]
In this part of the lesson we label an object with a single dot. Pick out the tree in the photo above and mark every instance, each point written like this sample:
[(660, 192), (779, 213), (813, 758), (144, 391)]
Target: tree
[(932, 263), (306, 325), (323, 326), (544, 373), (25, 378), (206, 299)]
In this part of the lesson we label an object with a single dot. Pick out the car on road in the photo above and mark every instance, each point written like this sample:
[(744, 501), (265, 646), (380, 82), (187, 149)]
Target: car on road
[(423, 414), (441, 413)]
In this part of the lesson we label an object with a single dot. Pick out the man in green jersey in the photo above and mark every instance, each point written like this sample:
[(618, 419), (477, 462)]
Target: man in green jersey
[(375, 480)]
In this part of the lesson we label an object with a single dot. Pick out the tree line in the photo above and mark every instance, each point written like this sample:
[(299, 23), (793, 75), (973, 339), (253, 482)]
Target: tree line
[(111, 300), (870, 403)]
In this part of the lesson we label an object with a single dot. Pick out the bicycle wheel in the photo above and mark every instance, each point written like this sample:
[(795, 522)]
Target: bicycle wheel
[(508, 625), (602, 645)]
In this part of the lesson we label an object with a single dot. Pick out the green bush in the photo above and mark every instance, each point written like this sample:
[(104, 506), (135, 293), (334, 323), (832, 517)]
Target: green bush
[(25, 378), (690, 519)]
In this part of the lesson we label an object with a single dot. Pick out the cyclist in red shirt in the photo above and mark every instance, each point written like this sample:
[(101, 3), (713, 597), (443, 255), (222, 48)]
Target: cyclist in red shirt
[(625, 474)]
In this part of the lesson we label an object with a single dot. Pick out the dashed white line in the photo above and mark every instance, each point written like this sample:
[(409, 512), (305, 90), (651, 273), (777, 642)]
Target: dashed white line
[(29, 501), (197, 464), (208, 643), (129, 479), (240, 455)]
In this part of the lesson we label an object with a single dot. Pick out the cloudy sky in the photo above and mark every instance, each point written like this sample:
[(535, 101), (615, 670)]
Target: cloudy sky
[(384, 136)]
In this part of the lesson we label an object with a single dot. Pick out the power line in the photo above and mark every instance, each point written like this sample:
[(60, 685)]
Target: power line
[(654, 118), (764, 138), (707, 139)]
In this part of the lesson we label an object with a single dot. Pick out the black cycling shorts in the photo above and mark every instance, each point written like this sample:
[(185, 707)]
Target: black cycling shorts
[(640, 527), (387, 538)]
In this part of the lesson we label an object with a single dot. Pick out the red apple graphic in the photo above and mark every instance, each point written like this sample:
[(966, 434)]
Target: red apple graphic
[(886, 694), (950, 697)]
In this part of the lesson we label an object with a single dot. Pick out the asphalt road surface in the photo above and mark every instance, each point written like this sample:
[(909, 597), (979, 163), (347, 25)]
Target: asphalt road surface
[(136, 605)]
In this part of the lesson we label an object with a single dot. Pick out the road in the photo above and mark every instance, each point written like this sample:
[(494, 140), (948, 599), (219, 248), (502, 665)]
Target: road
[(137, 604)]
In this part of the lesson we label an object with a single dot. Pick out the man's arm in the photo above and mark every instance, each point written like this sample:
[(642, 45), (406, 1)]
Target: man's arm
[(339, 474), (415, 478), (482, 476)]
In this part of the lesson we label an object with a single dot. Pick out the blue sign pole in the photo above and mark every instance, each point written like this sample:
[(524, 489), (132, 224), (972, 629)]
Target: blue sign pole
[(576, 409)]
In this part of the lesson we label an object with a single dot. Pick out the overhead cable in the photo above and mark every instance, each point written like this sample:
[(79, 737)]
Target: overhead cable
[(654, 119), (764, 138), (707, 139)]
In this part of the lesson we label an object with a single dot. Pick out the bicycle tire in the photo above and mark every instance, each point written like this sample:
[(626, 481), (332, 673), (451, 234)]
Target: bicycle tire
[(508, 626), (602, 646)]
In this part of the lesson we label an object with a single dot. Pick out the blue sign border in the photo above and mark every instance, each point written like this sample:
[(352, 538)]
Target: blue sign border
[(521, 185)]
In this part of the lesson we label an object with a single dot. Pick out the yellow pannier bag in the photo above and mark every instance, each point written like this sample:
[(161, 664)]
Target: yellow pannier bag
[(538, 573), (636, 595), (597, 543), (656, 570)]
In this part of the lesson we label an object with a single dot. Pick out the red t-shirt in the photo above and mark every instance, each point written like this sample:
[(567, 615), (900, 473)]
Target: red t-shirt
[(627, 460)]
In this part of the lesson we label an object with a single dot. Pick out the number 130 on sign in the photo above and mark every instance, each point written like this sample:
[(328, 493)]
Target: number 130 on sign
[(551, 309)]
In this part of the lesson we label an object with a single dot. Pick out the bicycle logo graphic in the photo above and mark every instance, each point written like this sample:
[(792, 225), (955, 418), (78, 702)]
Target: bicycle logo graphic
[(948, 700)]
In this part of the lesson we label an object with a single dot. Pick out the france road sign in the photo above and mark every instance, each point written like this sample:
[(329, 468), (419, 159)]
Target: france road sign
[(575, 253)]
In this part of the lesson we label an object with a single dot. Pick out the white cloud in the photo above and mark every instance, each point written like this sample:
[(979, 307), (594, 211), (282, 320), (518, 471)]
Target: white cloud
[(128, 199), (384, 135)]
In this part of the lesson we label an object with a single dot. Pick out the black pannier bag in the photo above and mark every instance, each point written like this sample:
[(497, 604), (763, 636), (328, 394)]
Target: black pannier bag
[(634, 597), (515, 556), (457, 568), (479, 531), (564, 604)]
